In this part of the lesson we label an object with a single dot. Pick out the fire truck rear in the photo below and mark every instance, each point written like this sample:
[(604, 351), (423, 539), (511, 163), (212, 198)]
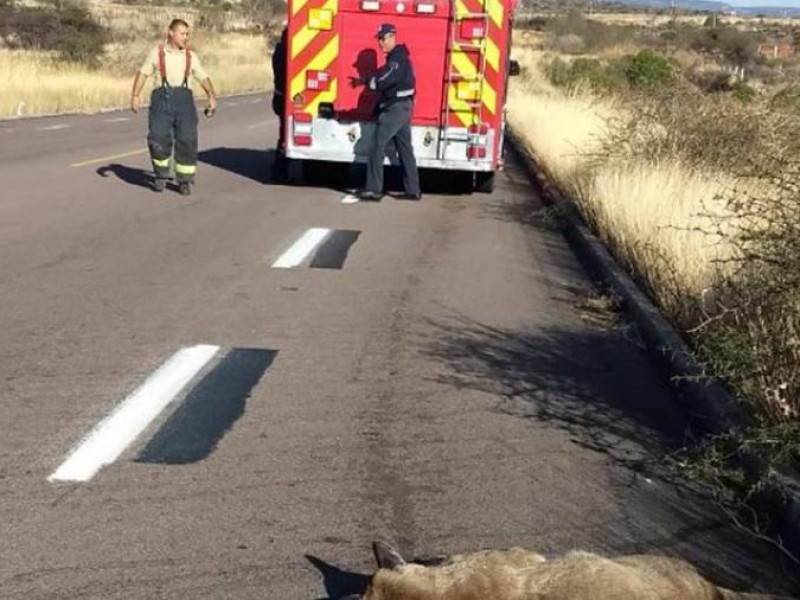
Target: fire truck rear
[(460, 53)]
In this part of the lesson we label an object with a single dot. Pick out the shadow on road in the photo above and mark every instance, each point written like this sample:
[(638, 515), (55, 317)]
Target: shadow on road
[(339, 584), (258, 164), (252, 163), (584, 381), (130, 175), (597, 386)]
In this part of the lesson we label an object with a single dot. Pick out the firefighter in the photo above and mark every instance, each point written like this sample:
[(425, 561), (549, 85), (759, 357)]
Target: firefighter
[(281, 164), (394, 83), (172, 119)]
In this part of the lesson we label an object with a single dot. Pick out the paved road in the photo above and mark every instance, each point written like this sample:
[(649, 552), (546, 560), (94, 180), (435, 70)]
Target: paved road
[(429, 374)]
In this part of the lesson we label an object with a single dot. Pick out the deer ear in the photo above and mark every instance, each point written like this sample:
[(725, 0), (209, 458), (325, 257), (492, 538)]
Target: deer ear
[(386, 556)]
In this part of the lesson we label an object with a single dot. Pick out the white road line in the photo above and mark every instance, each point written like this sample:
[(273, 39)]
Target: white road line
[(301, 248), (117, 120), (113, 434), (350, 199), (259, 124), (54, 127), (232, 103)]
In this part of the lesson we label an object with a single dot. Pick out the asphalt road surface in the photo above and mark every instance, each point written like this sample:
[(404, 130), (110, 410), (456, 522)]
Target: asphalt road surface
[(232, 394)]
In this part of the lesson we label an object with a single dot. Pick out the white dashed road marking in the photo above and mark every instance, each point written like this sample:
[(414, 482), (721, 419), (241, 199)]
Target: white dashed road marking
[(301, 248), (54, 127), (117, 120), (113, 434)]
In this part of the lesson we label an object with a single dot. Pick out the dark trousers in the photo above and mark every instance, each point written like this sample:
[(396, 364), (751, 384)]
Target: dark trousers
[(394, 124), (280, 166), (172, 130)]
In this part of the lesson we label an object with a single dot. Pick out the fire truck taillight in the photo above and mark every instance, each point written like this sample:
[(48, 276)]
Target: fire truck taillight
[(477, 140), (370, 5), (318, 80), (302, 129), (425, 8), (320, 19)]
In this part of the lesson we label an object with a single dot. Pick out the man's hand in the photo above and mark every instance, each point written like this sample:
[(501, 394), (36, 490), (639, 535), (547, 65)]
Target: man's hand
[(356, 81), (212, 107), (136, 102)]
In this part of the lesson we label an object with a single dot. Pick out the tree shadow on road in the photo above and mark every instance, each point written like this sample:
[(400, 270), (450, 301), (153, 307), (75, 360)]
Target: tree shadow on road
[(600, 388), (590, 382), (130, 175)]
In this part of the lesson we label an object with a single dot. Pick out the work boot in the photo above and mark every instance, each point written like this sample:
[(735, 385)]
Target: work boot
[(370, 196), (184, 189), (158, 184)]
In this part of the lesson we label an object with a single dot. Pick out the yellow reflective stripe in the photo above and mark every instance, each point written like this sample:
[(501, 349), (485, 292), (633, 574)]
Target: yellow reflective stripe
[(492, 54), (461, 9), (305, 36), (459, 108), (495, 10), (297, 5), (463, 65), (302, 39), (185, 169), (489, 97), (318, 63), (161, 162)]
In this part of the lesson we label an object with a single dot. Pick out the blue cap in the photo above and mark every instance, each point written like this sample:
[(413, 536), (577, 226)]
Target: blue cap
[(385, 29)]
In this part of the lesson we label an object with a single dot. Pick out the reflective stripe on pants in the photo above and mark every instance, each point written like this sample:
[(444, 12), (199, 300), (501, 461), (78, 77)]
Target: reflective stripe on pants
[(172, 130)]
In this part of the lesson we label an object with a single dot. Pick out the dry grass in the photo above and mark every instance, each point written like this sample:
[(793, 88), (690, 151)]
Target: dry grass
[(36, 83), (649, 216)]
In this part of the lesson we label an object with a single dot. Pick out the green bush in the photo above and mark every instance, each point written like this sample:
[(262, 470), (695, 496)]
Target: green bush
[(648, 70), (744, 92), (67, 28), (584, 72)]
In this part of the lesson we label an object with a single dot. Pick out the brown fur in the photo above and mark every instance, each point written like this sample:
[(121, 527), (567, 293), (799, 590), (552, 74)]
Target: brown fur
[(520, 575)]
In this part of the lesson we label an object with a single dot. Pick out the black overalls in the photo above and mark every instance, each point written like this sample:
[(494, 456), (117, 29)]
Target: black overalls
[(173, 115)]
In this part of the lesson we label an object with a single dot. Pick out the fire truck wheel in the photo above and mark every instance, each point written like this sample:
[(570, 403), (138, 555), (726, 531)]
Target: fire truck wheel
[(483, 182)]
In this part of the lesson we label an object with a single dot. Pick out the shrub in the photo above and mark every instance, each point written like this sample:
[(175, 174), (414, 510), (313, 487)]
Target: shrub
[(68, 28), (588, 72), (744, 92), (648, 70)]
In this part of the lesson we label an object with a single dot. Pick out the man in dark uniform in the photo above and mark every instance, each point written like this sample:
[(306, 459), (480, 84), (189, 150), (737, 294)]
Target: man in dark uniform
[(281, 164), (395, 84), (172, 119)]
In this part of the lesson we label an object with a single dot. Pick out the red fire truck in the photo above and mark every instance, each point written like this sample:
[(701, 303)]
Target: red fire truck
[(460, 53)]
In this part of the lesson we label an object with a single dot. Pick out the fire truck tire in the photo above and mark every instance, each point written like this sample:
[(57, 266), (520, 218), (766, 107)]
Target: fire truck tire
[(483, 183)]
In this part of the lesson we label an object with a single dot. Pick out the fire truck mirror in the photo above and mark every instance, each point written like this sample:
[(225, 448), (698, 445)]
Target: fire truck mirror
[(513, 68), (326, 110)]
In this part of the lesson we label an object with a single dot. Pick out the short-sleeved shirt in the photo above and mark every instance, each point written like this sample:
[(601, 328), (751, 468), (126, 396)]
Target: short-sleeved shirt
[(175, 63)]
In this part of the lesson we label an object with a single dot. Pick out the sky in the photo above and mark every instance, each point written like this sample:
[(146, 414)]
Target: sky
[(786, 3)]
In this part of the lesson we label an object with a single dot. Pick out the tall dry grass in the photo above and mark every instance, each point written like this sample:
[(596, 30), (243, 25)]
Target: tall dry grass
[(37, 83), (652, 217)]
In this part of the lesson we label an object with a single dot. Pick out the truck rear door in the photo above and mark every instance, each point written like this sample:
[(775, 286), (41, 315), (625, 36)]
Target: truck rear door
[(422, 25)]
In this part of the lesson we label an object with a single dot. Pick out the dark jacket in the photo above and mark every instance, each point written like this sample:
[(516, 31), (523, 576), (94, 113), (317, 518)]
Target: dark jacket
[(279, 65), (395, 80)]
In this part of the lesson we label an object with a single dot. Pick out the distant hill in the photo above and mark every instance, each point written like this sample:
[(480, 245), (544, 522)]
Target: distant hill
[(714, 6)]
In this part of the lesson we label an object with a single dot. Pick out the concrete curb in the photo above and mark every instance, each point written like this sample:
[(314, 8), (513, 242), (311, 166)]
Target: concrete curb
[(704, 398)]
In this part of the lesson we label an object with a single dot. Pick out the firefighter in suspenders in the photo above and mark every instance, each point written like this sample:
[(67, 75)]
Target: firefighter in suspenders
[(172, 119)]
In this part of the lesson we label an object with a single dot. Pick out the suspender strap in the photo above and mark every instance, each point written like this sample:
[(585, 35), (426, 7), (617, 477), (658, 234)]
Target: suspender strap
[(188, 70), (162, 66)]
